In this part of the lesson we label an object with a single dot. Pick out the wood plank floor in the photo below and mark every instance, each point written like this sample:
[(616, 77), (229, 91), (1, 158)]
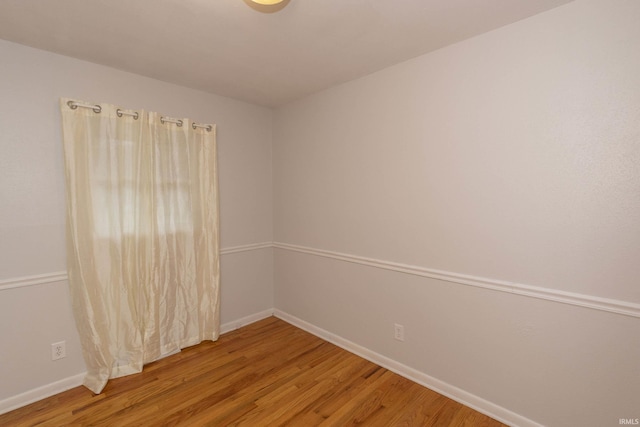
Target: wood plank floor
[(265, 374)]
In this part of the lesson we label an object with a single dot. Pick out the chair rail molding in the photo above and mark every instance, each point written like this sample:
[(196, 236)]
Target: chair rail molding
[(60, 276), (625, 308), (245, 248), (38, 279)]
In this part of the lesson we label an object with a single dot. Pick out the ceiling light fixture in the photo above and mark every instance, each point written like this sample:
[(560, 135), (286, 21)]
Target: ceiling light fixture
[(267, 6)]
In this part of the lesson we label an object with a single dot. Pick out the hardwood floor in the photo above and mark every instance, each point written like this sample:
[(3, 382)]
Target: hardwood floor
[(265, 374)]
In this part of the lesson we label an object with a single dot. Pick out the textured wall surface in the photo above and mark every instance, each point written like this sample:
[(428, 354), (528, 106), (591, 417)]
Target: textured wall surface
[(510, 157)]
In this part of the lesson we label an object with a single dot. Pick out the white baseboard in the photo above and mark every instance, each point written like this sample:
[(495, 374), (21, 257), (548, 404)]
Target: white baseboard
[(236, 324), (40, 393), (479, 404), (68, 383)]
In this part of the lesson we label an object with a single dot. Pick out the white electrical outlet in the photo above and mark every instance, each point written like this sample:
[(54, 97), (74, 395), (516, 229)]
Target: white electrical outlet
[(58, 350), (398, 332)]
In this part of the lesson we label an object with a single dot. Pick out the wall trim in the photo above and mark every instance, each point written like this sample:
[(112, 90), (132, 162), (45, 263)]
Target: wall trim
[(461, 396), (38, 279), (625, 308), (245, 248), (581, 300), (60, 276), (48, 390), (28, 397), (244, 321)]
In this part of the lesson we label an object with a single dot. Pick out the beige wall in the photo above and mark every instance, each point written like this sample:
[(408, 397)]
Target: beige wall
[(32, 200), (511, 157), (508, 161)]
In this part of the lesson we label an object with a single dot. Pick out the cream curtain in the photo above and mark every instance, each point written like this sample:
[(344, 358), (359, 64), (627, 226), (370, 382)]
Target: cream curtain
[(142, 236)]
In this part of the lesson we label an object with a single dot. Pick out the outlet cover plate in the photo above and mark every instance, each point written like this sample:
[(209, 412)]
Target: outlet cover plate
[(398, 332), (58, 350)]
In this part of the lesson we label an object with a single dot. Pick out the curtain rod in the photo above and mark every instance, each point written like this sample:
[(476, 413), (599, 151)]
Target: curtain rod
[(98, 109)]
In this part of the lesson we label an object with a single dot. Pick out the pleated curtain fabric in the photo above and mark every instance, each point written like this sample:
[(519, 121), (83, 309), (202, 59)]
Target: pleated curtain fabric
[(142, 237)]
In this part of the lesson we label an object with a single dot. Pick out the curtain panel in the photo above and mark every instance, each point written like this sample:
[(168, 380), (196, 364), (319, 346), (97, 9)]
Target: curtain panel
[(142, 236)]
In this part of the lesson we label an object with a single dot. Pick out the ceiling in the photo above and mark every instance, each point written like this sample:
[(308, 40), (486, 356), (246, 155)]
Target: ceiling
[(227, 48)]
